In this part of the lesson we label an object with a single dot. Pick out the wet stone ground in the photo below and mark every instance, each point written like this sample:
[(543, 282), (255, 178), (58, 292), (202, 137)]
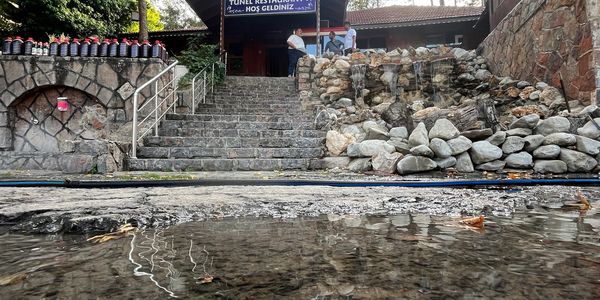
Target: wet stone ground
[(54, 210)]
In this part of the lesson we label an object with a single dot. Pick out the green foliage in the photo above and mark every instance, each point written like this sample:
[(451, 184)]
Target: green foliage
[(154, 23), (199, 57), (39, 18), (364, 4)]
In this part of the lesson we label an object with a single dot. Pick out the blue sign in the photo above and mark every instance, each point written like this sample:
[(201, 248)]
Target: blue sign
[(268, 7)]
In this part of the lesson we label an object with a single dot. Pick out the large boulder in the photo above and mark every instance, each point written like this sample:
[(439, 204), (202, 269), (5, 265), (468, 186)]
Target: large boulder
[(547, 152), (590, 130), (422, 150), (513, 144), (553, 125), (533, 142), (330, 163), (401, 145), (375, 131), (443, 129), (522, 132), (440, 148), (577, 161), (371, 148), (398, 114), (492, 166), (521, 160), (343, 103), (550, 166), (459, 145), (478, 134), (464, 163), (399, 132), (551, 97), (415, 164), (497, 138), (386, 162), (445, 163), (483, 152), (560, 139), (528, 121), (419, 136), (360, 165), (337, 143), (587, 145)]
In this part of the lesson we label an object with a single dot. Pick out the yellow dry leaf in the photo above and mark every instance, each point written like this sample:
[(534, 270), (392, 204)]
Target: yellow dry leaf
[(12, 279), (474, 222), (584, 202), (122, 231), (206, 279)]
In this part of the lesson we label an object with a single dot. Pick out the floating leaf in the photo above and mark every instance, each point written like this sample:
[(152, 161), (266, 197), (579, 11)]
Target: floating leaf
[(12, 279), (206, 279), (583, 201), (474, 222)]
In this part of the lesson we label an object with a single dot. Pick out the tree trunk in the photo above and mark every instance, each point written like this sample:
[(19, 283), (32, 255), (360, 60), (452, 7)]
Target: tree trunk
[(143, 10), (442, 3)]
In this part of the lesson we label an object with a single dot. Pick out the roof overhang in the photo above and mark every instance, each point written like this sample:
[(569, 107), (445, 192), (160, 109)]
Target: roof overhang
[(416, 23)]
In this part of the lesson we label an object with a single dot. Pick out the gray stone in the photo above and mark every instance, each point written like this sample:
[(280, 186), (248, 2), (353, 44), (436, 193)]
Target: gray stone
[(541, 85), (377, 133), (464, 163), (483, 75), (459, 145), (587, 145), (550, 167), (401, 145), (528, 121), (483, 151), (386, 162), (3, 119), (521, 160), (343, 103), (125, 91), (522, 132), (422, 150), (419, 136), (5, 138), (444, 130), (371, 148), (492, 166), (561, 139), (577, 161), (478, 134), (440, 148), (547, 152), (415, 164), (523, 84), (399, 132), (353, 150), (466, 77), (360, 165), (76, 164), (497, 138), (328, 163), (355, 131), (445, 163), (553, 125), (513, 144), (590, 130), (533, 142)]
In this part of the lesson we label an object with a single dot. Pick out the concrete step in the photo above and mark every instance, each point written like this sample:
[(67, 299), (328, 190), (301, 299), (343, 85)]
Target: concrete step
[(233, 142), (267, 133), (229, 153), (178, 165), (167, 125), (239, 118), (251, 111)]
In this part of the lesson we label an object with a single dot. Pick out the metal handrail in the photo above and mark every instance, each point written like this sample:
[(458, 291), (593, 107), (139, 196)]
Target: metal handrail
[(203, 80)]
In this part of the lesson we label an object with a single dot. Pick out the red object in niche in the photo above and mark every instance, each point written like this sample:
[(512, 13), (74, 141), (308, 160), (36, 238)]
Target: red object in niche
[(63, 104)]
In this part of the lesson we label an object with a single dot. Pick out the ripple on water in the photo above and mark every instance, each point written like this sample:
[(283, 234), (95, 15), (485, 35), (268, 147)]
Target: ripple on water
[(539, 254)]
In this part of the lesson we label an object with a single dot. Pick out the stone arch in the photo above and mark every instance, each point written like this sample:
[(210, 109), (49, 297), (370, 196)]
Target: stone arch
[(38, 126)]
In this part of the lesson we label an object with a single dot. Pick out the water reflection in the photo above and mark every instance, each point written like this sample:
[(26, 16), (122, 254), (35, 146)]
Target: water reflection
[(535, 255)]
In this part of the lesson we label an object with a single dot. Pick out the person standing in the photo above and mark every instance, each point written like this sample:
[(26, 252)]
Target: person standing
[(350, 39), (296, 49), (334, 45)]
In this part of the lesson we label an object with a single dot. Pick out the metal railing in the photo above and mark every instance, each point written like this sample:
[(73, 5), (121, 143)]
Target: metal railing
[(164, 98)]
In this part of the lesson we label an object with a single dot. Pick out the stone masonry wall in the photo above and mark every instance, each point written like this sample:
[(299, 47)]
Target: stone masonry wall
[(541, 39), (92, 136)]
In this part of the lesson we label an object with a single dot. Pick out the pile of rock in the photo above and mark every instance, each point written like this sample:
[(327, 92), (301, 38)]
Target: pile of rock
[(545, 146)]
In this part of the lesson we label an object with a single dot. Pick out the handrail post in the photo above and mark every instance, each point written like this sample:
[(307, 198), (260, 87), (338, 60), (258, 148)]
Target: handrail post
[(135, 125), (204, 89), (174, 87), (194, 96), (156, 108), (212, 80)]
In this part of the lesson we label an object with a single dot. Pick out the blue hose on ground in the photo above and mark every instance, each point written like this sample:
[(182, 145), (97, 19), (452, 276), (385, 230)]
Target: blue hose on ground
[(299, 183)]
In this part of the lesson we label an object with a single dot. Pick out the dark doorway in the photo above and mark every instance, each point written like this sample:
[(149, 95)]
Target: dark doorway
[(277, 61), (254, 58)]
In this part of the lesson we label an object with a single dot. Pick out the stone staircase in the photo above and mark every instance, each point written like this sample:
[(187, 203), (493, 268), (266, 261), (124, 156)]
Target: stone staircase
[(247, 124)]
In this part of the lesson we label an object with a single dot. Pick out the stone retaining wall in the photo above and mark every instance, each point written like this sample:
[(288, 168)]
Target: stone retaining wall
[(541, 39), (34, 134)]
